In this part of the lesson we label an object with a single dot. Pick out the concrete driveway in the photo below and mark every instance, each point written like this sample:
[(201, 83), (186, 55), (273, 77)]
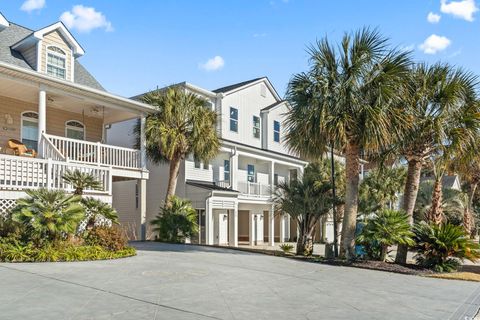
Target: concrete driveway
[(190, 282)]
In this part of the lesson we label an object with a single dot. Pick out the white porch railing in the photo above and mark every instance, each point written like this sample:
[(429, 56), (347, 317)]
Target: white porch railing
[(223, 184), (49, 150), (254, 188), (20, 173), (96, 153)]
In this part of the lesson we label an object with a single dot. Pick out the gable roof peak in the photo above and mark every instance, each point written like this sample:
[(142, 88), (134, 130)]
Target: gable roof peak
[(3, 22)]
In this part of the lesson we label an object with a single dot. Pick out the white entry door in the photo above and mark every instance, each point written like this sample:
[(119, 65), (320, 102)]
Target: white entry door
[(221, 227)]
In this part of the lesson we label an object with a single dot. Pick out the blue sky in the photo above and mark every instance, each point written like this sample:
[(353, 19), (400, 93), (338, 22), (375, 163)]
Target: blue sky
[(134, 46)]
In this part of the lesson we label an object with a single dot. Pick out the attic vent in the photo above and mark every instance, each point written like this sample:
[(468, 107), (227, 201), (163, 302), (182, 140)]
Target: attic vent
[(263, 90)]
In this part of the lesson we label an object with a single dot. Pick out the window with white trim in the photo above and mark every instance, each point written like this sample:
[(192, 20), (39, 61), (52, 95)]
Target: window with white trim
[(56, 62), (29, 129), (250, 173), (256, 127), (226, 170), (75, 130), (233, 119), (276, 131)]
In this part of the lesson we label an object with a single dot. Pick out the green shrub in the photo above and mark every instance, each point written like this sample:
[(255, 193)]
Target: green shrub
[(386, 228), (48, 215), (286, 247), (99, 213), (176, 221), (443, 247), (110, 238)]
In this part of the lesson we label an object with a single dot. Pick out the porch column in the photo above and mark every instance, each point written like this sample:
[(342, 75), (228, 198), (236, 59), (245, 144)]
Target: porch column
[(234, 170), (42, 117), (282, 227), (251, 228), (271, 176), (142, 207), (143, 142), (233, 215), (287, 227), (271, 226), (208, 222)]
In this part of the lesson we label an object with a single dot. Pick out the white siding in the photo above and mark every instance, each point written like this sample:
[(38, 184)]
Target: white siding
[(248, 102), (276, 114)]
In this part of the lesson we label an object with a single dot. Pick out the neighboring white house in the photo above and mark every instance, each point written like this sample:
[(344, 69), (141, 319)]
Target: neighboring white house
[(233, 192), (51, 104)]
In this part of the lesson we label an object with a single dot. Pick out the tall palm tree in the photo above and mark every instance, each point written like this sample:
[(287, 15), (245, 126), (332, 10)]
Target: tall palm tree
[(438, 101), (182, 125), (348, 99), (306, 200)]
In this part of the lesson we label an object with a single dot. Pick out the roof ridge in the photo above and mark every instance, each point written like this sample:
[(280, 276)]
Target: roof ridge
[(237, 85)]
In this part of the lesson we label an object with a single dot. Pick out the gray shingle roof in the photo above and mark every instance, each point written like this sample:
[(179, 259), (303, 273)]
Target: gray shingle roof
[(273, 105), (235, 86), (14, 33), (208, 185)]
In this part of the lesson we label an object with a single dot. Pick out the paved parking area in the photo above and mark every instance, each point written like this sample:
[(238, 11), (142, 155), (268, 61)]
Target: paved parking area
[(190, 282)]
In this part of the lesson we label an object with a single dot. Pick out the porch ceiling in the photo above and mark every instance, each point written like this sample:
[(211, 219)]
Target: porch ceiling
[(64, 101)]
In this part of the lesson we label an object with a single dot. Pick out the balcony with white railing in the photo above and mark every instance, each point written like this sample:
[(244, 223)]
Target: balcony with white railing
[(254, 189), (20, 173), (86, 152)]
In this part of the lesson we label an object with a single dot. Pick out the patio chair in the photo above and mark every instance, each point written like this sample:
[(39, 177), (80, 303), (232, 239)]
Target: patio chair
[(21, 149)]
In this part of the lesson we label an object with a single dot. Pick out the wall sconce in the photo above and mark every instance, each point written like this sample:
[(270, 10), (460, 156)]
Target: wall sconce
[(8, 119)]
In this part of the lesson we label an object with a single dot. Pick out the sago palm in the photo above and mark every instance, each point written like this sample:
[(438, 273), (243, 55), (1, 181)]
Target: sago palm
[(50, 214), (386, 228), (183, 124), (348, 98), (81, 181), (438, 100), (98, 211)]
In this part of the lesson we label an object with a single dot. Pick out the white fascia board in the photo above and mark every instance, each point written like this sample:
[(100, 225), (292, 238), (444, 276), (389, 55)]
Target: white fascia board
[(264, 79), (3, 22), (39, 34), (200, 90), (283, 103), (48, 80)]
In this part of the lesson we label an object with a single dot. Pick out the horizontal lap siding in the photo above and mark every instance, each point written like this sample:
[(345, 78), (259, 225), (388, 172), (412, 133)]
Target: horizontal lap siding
[(56, 119), (30, 55), (54, 38)]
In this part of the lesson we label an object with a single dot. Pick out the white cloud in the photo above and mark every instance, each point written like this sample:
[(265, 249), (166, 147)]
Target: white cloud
[(433, 17), (85, 19), (434, 44), (461, 9), (213, 64), (31, 5)]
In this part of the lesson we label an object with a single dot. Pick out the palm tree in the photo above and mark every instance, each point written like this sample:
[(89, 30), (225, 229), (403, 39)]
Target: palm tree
[(182, 125), (177, 221), (81, 181), (97, 210), (50, 214), (454, 203), (348, 99), (380, 189), (306, 200), (438, 101)]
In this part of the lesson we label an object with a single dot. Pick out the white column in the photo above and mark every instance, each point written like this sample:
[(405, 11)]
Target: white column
[(271, 176), (142, 205), (287, 227), (271, 226), (143, 143), (251, 228), (233, 217), (234, 171), (42, 117), (209, 223), (282, 224)]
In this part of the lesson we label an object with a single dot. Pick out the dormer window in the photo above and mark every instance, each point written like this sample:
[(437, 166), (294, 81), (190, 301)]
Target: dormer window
[(56, 62)]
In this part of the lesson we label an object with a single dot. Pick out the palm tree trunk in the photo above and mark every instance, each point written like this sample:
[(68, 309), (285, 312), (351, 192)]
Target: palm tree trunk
[(409, 198), (435, 214), (340, 214), (383, 254), (352, 166), (172, 179), (467, 221)]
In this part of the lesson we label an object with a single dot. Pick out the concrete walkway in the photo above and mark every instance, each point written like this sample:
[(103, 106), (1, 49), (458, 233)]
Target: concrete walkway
[(190, 282)]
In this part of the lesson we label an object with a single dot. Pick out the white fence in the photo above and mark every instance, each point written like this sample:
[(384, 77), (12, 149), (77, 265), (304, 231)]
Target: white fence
[(96, 153), (19, 173), (254, 188)]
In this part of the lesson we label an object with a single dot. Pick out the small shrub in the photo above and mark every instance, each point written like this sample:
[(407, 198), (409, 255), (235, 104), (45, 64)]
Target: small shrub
[(286, 247), (443, 247), (111, 238), (387, 228), (98, 213), (176, 222)]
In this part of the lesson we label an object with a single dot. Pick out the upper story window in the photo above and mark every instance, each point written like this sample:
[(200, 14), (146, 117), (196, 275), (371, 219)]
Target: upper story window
[(75, 130), (233, 119), (56, 62), (250, 173), (226, 170), (196, 163), (256, 127), (276, 131)]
